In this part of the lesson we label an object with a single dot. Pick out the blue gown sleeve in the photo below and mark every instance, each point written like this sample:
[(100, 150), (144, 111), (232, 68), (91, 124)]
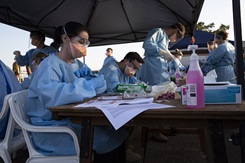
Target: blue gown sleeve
[(152, 40), (23, 60), (133, 80), (53, 84)]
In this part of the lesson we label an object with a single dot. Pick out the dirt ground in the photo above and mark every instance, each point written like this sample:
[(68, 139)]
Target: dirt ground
[(181, 148)]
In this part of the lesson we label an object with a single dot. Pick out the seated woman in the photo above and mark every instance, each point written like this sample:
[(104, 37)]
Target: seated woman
[(37, 59), (61, 79)]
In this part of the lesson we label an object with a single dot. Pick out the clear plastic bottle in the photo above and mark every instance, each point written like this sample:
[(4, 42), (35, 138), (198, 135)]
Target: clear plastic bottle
[(194, 81), (178, 76)]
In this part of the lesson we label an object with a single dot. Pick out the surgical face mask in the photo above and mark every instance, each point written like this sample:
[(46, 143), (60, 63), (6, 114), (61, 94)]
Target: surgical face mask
[(173, 38), (129, 71), (81, 48), (35, 40)]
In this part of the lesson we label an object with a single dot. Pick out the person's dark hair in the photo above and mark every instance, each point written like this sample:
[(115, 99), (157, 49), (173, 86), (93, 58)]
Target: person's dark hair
[(71, 28), (181, 29), (55, 45), (37, 34), (178, 52), (40, 56), (109, 49), (131, 56), (222, 34)]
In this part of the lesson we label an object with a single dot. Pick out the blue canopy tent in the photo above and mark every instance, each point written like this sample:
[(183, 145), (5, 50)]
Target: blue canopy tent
[(201, 39)]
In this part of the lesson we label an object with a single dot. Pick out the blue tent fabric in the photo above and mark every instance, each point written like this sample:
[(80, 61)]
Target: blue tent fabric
[(201, 39)]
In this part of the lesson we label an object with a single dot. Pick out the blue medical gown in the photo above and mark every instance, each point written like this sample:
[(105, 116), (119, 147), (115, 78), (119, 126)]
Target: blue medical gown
[(174, 64), (27, 59), (8, 84), (155, 68), (54, 83), (108, 59), (222, 59), (114, 76)]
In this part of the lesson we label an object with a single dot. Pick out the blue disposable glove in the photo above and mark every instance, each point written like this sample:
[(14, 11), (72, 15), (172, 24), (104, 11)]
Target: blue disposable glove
[(97, 82), (83, 72)]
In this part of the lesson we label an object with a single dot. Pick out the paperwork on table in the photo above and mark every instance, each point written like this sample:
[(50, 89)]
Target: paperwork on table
[(119, 111)]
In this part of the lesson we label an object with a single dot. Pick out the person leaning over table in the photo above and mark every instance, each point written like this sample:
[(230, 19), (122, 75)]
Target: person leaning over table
[(155, 68), (221, 59), (61, 79), (123, 73)]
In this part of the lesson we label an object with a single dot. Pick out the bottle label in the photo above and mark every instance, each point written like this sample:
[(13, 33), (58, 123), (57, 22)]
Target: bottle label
[(191, 94)]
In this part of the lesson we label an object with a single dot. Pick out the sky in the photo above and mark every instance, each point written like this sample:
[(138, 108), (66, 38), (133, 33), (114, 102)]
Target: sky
[(216, 11)]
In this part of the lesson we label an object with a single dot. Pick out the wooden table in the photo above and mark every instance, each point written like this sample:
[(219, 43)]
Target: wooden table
[(213, 119)]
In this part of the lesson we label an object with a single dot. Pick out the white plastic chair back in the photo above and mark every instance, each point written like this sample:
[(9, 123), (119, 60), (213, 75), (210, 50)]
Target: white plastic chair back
[(17, 103), (11, 143)]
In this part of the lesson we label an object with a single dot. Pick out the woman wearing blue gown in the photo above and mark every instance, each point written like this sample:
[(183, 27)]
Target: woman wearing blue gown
[(61, 79)]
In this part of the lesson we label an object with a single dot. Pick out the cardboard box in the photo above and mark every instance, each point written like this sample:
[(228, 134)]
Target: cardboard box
[(222, 94)]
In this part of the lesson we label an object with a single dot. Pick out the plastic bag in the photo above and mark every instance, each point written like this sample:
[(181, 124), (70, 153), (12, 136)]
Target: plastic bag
[(164, 91), (130, 93), (123, 87)]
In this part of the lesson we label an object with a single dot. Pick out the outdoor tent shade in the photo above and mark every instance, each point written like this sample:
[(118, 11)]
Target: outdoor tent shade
[(109, 21), (201, 39)]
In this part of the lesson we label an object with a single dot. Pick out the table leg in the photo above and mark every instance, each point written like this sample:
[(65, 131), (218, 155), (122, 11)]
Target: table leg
[(218, 142), (86, 141), (242, 140)]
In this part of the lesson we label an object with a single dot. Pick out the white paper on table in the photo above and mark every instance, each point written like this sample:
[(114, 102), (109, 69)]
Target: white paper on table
[(121, 114), (112, 102)]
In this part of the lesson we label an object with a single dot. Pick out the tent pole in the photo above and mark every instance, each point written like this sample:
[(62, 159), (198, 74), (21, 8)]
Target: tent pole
[(238, 44)]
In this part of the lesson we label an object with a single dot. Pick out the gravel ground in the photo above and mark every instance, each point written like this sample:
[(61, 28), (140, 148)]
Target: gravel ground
[(182, 148)]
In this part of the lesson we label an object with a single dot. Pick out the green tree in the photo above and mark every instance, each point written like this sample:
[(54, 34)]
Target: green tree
[(210, 27)]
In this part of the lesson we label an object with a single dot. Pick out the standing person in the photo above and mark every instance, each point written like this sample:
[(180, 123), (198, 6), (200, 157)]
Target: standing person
[(37, 40), (221, 59), (123, 73), (61, 79), (155, 68), (211, 45), (109, 57), (8, 84), (175, 63), (17, 70)]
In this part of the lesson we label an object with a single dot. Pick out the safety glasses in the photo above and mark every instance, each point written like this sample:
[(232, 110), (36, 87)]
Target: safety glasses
[(82, 41), (134, 66), (217, 36)]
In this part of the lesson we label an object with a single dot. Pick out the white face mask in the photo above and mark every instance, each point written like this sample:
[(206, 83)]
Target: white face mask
[(81, 48), (129, 71)]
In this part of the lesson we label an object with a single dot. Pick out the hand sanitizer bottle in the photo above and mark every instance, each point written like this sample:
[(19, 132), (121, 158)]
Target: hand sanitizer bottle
[(177, 77), (194, 81)]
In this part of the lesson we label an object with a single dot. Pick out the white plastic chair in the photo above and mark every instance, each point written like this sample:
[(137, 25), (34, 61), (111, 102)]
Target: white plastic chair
[(17, 103), (10, 143)]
